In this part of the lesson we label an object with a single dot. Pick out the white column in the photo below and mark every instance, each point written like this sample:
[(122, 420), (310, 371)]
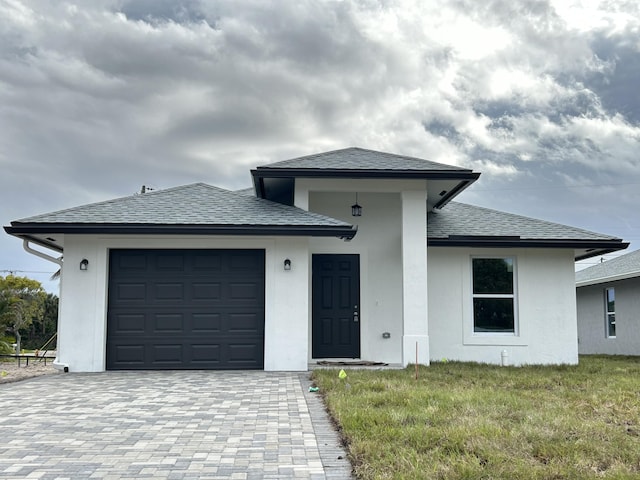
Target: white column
[(286, 335), (83, 312), (414, 278), (301, 197)]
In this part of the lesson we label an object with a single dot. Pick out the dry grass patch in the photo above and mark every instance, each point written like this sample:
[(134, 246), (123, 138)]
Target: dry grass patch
[(471, 421)]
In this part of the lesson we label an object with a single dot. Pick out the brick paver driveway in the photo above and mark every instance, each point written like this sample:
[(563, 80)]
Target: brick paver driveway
[(193, 424)]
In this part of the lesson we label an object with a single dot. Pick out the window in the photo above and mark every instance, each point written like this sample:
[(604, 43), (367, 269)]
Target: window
[(610, 311), (493, 295)]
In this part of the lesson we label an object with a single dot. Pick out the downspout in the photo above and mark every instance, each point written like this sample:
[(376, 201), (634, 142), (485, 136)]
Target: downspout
[(25, 245), (58, 261)]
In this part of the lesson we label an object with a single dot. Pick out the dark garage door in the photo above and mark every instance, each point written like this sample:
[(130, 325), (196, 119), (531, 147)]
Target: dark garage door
[(185, 309)]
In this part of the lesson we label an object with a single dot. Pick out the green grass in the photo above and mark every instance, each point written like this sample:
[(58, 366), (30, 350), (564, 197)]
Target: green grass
[(472, 421)]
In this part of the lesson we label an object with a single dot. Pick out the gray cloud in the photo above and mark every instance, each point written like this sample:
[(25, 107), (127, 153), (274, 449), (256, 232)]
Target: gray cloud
[(155, 11), (617, 86)]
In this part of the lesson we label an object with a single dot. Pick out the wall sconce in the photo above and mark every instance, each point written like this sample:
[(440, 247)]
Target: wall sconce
[(84, 264), (287, 265), (356, 210)]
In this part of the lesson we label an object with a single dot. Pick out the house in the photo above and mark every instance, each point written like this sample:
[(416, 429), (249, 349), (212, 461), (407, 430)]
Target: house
[(608, 298), (349, 254)]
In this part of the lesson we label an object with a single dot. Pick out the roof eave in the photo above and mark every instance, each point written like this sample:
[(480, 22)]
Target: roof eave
[(454, 192), (593, 247), (609, 279), (258, 185), (265, 172), (596, 252), (36, 240), (23, 230)]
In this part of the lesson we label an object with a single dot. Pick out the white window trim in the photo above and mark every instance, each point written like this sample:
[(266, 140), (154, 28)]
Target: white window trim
[(607, 312), (472, 337)]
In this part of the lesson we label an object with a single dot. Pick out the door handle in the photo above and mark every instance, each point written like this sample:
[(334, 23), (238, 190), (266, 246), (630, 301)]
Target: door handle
[(356, 318)]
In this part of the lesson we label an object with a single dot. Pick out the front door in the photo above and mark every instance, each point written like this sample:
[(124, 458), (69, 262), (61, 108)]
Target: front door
[(335, 324)]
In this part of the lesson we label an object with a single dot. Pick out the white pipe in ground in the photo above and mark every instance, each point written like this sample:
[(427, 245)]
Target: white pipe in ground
[(505, 358)]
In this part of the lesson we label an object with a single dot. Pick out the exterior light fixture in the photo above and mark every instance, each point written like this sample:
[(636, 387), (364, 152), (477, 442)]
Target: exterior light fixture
[(356, 210), (287, 265), (84, 264)]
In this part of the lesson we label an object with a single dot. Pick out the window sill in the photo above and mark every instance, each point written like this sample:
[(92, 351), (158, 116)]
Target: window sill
[(495, 339)]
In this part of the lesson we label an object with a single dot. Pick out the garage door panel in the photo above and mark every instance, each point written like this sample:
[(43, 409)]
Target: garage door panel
[(206, 291), (241, 261), (170, 262), (131, 292), (244, 291), (204, 323), (221, 352), (169, 291), (128, 355), (205, 353), (182, 322), (131, 262), (172, 323), (209, 262), (242, 353), (128, 323), (250, 323), (186, 309), (170, 354)]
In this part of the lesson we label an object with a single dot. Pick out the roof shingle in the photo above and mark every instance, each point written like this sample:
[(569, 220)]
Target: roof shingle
[(195, 204), (627, 266), (459, 219), (361, 159)]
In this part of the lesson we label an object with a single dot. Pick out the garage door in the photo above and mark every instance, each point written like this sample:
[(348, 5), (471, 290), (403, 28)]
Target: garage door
[(185, 309)]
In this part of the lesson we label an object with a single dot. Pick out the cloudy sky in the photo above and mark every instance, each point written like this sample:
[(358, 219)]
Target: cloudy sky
[(98, 98)]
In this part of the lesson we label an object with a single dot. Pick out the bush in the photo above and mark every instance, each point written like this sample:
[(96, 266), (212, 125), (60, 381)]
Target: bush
[(6, 345)]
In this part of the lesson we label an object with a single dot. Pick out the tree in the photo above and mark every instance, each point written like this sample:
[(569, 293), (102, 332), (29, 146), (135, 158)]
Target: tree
[(21, 301), (4, 345), (42, 329)]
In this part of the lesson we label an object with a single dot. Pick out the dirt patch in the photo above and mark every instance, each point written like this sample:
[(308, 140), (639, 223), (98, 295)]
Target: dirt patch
[(11, 372)]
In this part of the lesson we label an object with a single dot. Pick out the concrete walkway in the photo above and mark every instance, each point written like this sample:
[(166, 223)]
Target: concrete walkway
[(182, 425)]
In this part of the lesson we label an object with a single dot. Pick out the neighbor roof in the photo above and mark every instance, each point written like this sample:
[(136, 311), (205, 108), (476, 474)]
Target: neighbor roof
[(191, 209), (460, 224), (619, 268)]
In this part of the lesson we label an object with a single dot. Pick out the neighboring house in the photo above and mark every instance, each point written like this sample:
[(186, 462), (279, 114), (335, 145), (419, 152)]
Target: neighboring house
[(350, 254), (608, 296)]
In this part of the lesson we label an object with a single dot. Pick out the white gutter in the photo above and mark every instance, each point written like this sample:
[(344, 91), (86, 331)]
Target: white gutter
[(25, 244)]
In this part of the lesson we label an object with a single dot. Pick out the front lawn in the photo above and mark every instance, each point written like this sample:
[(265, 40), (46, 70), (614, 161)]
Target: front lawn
[(462, 420)]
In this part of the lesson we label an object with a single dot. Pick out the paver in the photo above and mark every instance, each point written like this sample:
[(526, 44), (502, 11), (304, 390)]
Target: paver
[(191, 424)]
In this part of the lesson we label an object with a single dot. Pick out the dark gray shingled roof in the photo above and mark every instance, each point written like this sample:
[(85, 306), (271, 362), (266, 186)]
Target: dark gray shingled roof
[(624, 266), (461, 225), (360, 159), (275, 181), (250, 191), (204, 209), (462, 220), (193, 205)]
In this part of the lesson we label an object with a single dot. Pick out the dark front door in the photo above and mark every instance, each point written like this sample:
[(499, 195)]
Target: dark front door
[(335, 306)]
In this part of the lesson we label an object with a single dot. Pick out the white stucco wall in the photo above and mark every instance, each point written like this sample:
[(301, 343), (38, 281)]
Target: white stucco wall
[(546, 307), (592, 324), (83, 296), (415, 340), (378, 243), (391, 242)]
